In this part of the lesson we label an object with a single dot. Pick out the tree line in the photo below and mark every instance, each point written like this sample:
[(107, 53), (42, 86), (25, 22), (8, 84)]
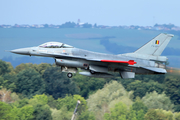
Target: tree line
[(42, 91)]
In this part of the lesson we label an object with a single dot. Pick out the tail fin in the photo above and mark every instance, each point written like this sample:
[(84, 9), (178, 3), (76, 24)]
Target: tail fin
[(155, 46)]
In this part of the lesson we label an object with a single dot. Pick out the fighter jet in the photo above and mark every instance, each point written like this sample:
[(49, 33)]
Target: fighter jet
[(145, 60)]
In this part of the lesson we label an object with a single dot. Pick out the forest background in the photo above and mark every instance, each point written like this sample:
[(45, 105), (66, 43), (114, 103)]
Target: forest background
[(30, 89)]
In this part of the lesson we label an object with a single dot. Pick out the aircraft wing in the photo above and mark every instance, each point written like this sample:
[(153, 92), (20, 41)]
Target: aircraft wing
[(61, 56), (101, 71), (65, 56)]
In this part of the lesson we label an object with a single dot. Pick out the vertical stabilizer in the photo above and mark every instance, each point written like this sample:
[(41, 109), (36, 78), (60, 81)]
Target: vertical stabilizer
[(156, 45)]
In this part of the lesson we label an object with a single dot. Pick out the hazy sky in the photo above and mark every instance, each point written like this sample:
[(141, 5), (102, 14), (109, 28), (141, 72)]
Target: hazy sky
[(102, 12)]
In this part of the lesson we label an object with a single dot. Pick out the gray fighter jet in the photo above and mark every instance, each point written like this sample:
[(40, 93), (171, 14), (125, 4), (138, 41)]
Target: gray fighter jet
[(145, 60)]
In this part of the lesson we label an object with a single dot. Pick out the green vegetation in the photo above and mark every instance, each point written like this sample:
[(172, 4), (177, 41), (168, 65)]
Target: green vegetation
[(57, 84), (42, 92), (154, 100), (29, 82)]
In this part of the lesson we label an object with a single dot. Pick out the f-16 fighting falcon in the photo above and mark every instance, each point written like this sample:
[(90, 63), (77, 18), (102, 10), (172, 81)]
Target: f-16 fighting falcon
[(145, 60)]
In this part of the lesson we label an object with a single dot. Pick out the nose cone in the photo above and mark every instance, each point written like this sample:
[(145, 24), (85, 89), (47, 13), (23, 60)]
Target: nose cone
[(23, 51)]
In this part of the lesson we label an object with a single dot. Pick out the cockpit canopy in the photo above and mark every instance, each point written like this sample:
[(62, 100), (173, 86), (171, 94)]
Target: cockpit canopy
[(55, 45)]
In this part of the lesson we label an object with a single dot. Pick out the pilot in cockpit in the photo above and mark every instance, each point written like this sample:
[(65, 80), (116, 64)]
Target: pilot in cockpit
[(55, 45)]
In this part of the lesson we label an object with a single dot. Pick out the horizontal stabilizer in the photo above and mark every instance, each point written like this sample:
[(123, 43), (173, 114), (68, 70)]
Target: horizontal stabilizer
[(158, 70)]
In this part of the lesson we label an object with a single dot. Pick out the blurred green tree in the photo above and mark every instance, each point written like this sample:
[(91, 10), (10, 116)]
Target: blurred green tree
[(172, 85), (5, 112), (29, 82), (86, 115), (154, 100), (158, 114), (57, 84), (42, 112), (5, 67), (24, 113), (88, 85), (141, 88), (119, 112)]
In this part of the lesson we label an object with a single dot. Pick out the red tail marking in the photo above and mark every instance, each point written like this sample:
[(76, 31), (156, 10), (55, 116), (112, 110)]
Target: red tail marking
[(130, 62)]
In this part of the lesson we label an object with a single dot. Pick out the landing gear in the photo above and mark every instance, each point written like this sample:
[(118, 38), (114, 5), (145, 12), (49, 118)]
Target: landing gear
[(92, 72), (69, 75)]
